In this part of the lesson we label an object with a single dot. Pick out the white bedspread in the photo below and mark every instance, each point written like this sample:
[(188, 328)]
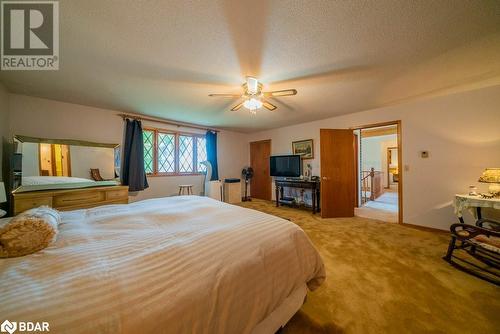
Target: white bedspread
[(44, 180), (183, 264)]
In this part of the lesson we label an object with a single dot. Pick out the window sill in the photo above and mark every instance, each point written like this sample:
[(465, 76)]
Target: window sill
[(174, 174)]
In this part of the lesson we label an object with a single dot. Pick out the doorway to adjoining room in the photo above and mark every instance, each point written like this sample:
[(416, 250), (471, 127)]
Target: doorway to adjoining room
[(378, 173), (54, 160)]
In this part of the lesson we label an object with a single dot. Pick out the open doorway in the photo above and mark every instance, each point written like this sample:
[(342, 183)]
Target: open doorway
[(54, 160), (378, 186)]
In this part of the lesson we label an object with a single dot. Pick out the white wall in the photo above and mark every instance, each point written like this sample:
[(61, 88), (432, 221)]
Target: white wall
[(83, 158), (460, 131), (31, 162), (371, 150), (374, 153), (53, 119)]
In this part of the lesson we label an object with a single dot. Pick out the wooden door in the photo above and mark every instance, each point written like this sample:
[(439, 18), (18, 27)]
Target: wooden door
[(260, 184), (66, 160), (338, 179), (57, 161), (46, 158)]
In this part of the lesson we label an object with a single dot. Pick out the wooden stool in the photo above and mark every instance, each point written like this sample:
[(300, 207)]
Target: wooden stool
[(187, 187)]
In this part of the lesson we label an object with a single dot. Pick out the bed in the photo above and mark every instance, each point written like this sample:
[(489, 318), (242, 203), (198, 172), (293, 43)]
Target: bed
[(183, 264), (37, 183)]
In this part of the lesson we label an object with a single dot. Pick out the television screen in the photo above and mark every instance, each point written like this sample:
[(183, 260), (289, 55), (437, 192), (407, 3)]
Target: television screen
[(286, 165)]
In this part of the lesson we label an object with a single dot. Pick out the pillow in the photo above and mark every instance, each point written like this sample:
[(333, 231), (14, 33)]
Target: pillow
[(29, 232), (490, 243)]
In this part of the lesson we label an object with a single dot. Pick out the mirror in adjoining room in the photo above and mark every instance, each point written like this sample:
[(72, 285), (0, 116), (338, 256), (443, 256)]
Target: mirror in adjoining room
[(42, 164), (392, 167)]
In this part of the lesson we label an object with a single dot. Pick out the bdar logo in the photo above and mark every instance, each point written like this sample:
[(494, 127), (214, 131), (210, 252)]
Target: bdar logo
[(8, 326)]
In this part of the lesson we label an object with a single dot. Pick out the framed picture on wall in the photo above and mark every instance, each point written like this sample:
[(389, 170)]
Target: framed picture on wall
[(303, 147)]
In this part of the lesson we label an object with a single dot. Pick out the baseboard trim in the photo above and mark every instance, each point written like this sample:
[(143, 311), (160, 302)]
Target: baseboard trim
[(425, 228)]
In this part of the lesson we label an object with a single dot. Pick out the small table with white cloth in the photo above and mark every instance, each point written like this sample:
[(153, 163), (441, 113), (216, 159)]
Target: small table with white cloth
[(474, 204)]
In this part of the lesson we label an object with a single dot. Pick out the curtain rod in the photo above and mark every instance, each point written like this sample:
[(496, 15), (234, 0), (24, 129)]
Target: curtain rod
[(166, 121)]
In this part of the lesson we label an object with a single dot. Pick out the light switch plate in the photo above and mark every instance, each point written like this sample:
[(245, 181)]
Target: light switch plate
[(424, 154)]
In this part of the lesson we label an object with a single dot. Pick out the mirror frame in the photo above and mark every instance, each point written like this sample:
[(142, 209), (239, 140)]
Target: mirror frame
[(27, 139)]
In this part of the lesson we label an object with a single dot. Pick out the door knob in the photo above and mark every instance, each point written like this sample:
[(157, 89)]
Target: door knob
[(324, 178)]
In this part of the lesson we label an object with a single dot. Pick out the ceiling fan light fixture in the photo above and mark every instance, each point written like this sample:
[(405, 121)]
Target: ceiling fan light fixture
[(252, 104), (254, 97), (252, 85)]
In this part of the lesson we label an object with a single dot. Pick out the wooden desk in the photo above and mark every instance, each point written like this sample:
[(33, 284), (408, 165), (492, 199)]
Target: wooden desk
[(313, 185)]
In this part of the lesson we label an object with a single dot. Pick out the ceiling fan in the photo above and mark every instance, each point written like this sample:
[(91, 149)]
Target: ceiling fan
[(254, 97)]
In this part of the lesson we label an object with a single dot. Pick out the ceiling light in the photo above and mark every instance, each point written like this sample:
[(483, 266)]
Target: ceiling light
[(252, 85), (252, 104), (255, 98)]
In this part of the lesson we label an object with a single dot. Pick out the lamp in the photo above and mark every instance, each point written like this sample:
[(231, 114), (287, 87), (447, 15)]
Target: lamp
[(491, 176), (252, 104), (3, 198)]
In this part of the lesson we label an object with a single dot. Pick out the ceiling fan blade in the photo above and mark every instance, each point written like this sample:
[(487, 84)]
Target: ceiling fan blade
[(269, 105), (278, 93), (224, 95), (237, 107)]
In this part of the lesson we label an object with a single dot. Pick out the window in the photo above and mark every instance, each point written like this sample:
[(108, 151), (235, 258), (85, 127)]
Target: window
[(170, 153), (201, 150), (148, 139), (186, 148), (166, 152)]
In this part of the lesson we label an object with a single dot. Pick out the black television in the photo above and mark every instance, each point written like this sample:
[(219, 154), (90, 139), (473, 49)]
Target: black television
[(286, 165)]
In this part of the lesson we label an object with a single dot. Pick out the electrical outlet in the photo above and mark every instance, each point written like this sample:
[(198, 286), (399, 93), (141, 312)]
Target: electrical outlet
[(407, 168)]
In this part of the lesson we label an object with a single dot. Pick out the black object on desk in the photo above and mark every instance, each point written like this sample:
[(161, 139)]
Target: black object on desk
[(302, 184)]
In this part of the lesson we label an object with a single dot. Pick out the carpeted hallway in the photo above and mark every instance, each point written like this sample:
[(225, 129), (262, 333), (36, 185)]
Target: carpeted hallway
[(387, 278)]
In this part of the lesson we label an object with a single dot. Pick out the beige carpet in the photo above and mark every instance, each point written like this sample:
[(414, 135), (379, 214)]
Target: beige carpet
[(387, 278)]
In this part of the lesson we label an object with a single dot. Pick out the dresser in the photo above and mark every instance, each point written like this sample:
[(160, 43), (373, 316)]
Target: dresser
[(70, 199)]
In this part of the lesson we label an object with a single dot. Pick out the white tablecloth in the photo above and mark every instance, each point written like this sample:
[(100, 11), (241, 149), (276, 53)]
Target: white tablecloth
[(469, 202)]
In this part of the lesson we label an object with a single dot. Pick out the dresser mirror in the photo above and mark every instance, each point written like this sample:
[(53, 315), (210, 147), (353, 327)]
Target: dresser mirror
[(392, 166), (42, 164)]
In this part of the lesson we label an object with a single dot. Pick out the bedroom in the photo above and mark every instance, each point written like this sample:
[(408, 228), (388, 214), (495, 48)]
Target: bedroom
[(435, 67)]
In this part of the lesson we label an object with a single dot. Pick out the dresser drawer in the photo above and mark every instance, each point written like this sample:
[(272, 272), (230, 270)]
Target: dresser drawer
[(112, 195), (78, 199), (30, 203)]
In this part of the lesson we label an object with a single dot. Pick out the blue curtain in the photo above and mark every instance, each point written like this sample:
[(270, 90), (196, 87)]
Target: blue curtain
[(212, 153), (133, 173)]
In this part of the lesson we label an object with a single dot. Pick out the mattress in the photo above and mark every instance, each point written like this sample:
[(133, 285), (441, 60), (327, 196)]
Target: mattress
[(183, 264)]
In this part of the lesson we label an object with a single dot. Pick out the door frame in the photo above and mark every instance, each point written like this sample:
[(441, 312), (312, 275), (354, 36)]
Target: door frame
[(356, 167), (400, 159), (250, 160)]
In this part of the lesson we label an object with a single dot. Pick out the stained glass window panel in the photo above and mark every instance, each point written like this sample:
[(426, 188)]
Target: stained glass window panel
[(166, 153), (186, 144), (148, 140), (201, 150)]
